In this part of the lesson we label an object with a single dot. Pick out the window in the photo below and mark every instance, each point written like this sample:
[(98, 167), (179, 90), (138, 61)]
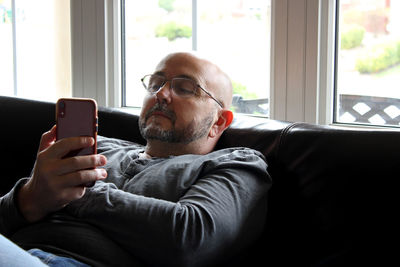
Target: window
[(35, 49), (233, 34), (368, 62), (6, 49)]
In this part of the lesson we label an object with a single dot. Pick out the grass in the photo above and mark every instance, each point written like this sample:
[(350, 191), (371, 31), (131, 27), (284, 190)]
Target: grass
[(395, 70)]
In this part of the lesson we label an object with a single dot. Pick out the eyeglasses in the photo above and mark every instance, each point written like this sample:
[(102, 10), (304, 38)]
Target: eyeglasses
[(182, 87)]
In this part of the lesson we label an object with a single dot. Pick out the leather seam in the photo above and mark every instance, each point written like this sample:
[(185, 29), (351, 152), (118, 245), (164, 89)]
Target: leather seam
[(283, 134)]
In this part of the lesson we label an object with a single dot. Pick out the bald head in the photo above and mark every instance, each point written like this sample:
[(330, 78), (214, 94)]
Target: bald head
[(209, 75)]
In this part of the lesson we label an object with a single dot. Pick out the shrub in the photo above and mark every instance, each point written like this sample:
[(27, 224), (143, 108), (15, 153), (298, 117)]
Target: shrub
[(172, 30), (379, 57), (352, 37)]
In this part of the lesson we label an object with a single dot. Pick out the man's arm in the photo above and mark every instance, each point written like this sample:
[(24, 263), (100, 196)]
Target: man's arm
[(205, 223), (11, 218), (55, 182)]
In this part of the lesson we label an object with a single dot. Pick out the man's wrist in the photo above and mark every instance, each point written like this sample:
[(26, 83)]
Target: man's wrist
[(26, 204)]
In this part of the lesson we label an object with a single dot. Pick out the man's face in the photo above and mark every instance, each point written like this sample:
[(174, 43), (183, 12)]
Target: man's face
[(168, 117)]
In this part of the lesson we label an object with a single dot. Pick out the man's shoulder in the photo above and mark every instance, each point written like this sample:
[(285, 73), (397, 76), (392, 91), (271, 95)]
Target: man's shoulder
[(232, 158), (236, 153)]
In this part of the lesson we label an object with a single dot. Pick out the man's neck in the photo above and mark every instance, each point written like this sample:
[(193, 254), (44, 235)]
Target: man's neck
[(155, 148)]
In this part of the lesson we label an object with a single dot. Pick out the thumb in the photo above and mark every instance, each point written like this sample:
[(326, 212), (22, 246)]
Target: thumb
[(48, 138)]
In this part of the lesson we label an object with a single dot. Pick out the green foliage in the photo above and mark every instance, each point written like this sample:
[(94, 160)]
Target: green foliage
[(240, 89), (168, 5), (172, 31), (379, 57), (352, 37)]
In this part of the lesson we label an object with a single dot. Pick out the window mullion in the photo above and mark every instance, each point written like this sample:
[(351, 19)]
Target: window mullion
[(326, 57), (113, 47), (295, 82), (194, 25), (88, 50), (14, 38)]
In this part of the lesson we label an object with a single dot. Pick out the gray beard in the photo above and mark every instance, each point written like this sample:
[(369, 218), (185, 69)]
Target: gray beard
[(187, 135)]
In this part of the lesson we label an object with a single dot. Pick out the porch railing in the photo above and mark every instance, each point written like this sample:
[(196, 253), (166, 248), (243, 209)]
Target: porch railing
[(352, 108), (250, 106), (369, 109)]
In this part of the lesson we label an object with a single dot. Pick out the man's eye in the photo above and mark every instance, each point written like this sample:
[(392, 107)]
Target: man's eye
[(180, 90), (184, 87), (153, 87)]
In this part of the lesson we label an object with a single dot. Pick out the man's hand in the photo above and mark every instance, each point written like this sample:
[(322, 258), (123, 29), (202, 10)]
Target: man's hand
[(57, 181)]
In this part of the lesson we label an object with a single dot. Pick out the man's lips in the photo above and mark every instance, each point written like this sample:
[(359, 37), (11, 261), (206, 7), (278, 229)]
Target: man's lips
[(159, 113)]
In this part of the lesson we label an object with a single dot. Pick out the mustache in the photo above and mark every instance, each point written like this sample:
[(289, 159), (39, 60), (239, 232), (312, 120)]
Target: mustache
[(161, 108)]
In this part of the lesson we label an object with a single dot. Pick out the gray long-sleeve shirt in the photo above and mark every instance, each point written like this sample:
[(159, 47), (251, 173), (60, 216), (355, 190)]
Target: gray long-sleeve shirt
[(182, 210)]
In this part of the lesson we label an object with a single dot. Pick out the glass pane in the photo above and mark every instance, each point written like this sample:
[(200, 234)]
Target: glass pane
[(6, 49), (43, 50), (233, 34), (368, 61), (236, 35), (153, 29)]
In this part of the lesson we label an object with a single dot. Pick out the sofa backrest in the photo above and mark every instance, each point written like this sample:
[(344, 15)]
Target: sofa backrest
[(333, 201), (22, 124)]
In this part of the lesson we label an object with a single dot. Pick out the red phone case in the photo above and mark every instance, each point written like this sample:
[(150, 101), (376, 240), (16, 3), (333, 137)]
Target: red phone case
[(77, 117)]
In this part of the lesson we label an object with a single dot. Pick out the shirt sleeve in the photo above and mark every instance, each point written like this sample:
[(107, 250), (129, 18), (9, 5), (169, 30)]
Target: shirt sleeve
[(11, 218), (222, 211)]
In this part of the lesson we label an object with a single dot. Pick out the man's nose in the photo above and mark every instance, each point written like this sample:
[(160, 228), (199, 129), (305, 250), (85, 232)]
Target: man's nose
[(164, 92)]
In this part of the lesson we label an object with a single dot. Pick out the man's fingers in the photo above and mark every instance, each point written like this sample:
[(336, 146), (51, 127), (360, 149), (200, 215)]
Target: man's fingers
[(77, 163), (79, 178), (64, 146), (47, 139)]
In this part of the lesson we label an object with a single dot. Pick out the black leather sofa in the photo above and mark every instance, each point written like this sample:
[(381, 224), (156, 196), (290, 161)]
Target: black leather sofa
[(334, 198)]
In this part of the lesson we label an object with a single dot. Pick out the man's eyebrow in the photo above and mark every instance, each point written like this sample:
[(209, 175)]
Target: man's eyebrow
[(187, 77), (161, 73)]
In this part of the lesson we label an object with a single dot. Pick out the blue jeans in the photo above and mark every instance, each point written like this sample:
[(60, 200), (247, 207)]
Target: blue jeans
[(13, 256)]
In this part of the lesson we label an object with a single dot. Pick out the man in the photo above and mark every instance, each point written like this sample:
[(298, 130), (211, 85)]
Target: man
[(175, 201)]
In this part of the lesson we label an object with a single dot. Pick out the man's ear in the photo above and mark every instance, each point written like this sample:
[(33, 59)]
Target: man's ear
[(225, 119)]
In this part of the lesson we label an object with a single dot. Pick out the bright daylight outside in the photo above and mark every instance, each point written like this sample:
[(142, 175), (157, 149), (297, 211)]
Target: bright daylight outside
[(35, 54), (368, 73), (235, 34)]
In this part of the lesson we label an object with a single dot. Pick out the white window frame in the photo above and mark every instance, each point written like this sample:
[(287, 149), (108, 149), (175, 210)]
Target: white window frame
[(302, 56), (96, 60), (302, 60)]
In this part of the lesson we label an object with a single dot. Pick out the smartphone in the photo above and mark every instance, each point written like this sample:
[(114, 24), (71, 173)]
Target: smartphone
[(77, 117)]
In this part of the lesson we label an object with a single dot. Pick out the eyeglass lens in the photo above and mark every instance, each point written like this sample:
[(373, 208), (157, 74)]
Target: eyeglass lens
[(180, 86)]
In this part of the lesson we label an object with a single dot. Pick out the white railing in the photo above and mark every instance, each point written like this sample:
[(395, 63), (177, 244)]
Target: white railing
[(369, 109), (352, 109)]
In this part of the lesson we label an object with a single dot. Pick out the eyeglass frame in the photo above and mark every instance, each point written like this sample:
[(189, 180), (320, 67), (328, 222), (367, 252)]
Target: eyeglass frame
[(170, 80)]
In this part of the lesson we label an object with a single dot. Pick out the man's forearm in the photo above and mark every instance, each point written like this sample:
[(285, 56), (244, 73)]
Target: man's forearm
[(25, 202), (11, 218)]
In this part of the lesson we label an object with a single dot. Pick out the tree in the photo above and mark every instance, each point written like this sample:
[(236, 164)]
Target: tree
[(168, 5)]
